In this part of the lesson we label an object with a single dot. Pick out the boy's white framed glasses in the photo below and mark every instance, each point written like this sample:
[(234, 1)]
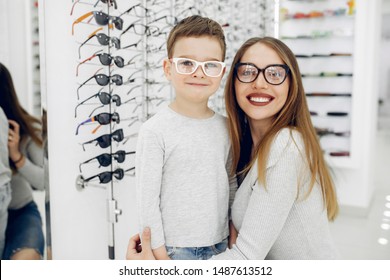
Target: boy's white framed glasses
[(187, 66)]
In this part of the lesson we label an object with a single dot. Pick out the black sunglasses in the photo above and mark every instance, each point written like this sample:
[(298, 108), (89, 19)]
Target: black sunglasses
[(103, 40), (104, 98), (105, 59), (104, 140), (102, 118), (103, 80), (106, 158), (101, 19), (106, 177)]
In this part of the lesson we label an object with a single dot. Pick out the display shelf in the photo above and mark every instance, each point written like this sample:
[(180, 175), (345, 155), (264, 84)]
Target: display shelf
[(321, 34)]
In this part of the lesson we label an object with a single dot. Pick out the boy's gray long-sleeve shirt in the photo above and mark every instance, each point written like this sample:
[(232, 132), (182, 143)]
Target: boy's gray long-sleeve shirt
[(182, 175)]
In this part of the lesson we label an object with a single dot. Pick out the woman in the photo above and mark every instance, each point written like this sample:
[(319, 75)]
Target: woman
[(282, 207), (24, 235)]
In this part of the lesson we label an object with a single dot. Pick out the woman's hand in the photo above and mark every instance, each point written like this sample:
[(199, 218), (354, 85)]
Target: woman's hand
[(13, 144), (232, 235), (137, 252)]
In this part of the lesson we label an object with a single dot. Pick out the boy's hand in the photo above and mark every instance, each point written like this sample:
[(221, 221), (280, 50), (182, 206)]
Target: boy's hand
[(232, 235)]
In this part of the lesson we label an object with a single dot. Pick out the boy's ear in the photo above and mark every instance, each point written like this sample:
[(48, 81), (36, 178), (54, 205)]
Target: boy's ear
[(167, 66)]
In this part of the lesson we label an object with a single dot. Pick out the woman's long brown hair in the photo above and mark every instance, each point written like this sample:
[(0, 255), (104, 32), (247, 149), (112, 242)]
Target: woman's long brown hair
[(10, 104), (294, 114)]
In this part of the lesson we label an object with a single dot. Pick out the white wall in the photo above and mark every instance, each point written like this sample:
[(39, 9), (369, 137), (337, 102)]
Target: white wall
[(13, 45)]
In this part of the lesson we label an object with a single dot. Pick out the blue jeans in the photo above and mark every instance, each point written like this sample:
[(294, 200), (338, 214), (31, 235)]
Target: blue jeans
[(5, 198), (24, 230), (196, 253)]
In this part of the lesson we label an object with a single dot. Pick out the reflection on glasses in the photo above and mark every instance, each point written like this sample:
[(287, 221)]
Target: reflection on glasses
[(103, 40), (274, 74), (102, 119), (106, 158), (101, 19), (105, 59), (104, 140), (104, 98), (106, 177), (103, 80), (188, 66)]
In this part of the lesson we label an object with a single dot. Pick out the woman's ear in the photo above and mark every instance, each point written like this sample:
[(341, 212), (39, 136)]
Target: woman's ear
[(167, 66)]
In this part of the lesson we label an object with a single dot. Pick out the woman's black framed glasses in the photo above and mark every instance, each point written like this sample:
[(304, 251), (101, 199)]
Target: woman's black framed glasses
[(102, 119), (274, 74), (106, 177), (106, 158), (105, 140), (104, 98)]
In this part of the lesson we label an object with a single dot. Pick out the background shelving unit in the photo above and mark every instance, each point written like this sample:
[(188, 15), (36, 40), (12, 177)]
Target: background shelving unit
[(321, 34)]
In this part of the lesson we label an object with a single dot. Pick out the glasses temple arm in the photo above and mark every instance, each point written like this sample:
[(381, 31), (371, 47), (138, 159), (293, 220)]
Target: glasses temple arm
[(80, 19), (84, 122)]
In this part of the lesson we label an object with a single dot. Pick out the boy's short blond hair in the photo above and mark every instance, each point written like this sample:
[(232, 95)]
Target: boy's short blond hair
[(196, 26)]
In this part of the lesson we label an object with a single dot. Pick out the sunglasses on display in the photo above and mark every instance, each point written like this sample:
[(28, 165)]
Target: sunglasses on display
[(101, 19), (105, 59), (102, 119), (188, 66), (103, 80), (104, 98), (138, 10), (105, 140), (325, 131), (110, 2), (106, 177), (103, 40), (274, 74), (106, 158)]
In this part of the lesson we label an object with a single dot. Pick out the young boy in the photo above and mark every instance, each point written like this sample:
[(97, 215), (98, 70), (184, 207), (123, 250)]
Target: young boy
[(183, 167)]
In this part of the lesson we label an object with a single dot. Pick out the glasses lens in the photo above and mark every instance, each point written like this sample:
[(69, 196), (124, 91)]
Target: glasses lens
[(103, 39), (104, 98), (213, 68), (274, 74), (118, 135), (104, 141), (115, 117), (247, 73), (116, 42), (120, 156), (117, 79), (116, 98), (104, 118), (119, 174), (105, 58), (119, 61), (104, 159), (102, 79), (101, 18), (105, 177), (185, 66), (118, 23)]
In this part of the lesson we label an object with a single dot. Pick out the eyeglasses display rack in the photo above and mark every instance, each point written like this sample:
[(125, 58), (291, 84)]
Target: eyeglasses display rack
[(321, 35)]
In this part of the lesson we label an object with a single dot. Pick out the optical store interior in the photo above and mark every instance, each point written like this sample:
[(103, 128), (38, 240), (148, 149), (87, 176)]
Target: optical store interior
[(54, 56)]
